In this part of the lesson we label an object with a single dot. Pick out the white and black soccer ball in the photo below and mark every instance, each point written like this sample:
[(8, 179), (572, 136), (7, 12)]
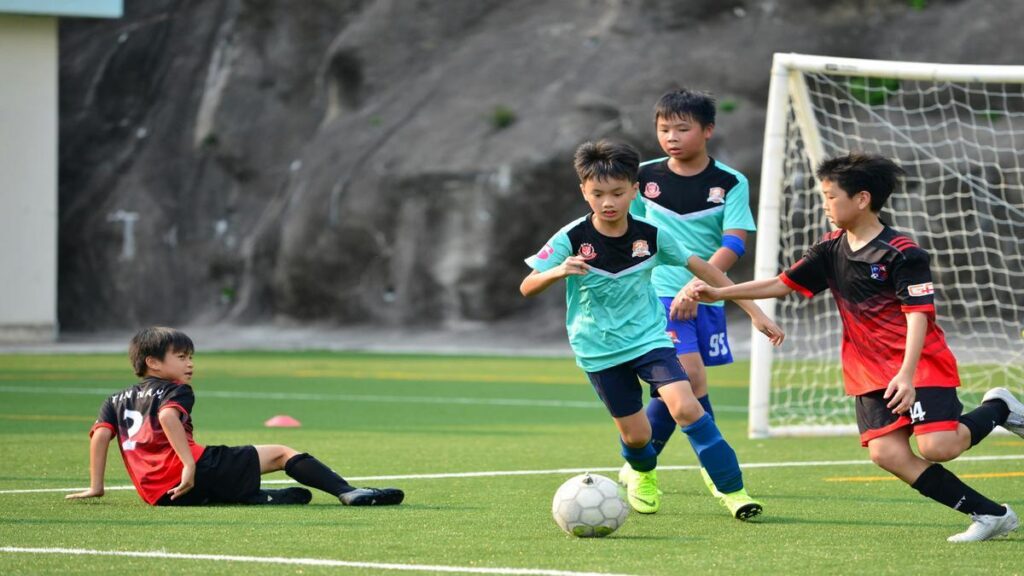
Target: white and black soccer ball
[(589, 506)]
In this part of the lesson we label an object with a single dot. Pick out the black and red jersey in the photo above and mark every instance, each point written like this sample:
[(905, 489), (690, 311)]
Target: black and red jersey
[(874, 287), (148, 455)]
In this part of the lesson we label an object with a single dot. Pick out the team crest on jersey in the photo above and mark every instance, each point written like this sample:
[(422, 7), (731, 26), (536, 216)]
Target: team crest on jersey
[(921, 289), (651, 190), (587, 251), (716, 195), (878, 272), (545, 252), (640, 249)]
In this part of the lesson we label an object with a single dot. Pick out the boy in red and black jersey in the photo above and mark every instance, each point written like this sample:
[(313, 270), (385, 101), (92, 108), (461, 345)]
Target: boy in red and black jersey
[(895, 359), (874, 288), (152, 421)]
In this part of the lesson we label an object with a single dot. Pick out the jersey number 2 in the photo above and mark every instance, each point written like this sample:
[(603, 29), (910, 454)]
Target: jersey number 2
[(134, 419)]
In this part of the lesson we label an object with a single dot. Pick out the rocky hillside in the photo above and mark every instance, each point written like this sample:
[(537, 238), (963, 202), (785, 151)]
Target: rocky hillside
[(393, 161)]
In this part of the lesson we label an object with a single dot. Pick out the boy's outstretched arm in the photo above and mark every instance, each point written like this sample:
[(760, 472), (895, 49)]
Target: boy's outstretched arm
[(98, 445), (753, 290), (170, 420), (538, 282), (712, 275)]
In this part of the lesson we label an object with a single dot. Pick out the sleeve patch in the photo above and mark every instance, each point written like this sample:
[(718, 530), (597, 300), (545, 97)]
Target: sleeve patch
[(545, 252), (925, 289)]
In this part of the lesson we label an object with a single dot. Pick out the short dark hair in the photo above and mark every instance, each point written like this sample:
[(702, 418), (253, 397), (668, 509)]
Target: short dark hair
[(156, 341), (606, 160), (685, 102), (859, 171)]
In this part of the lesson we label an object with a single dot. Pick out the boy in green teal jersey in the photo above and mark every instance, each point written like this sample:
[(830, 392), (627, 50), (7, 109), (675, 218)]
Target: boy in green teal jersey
[(616, 324), (705, 205)]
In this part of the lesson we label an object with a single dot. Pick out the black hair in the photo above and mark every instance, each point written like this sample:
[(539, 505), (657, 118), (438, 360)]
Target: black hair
[(685, 103), (860, 171), (606, 160), (156, 341)]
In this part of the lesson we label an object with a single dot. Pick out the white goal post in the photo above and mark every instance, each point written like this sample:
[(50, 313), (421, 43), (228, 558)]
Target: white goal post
[(958, 131)]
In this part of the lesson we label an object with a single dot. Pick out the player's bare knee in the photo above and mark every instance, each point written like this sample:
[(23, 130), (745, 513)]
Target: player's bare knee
[(687, 414), (938, 452), (635, 439), (886, 459)]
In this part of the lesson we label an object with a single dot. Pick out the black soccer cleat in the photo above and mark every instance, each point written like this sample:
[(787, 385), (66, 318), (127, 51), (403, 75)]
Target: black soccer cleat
[(372, 497), (282, 496)]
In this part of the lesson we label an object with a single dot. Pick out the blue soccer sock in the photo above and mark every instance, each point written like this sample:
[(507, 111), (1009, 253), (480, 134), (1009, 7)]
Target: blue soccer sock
[(715, 454), (642, 459), (663, 425), (705, 402)]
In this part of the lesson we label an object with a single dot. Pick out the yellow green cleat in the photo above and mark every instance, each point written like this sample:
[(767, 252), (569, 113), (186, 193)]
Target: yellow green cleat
[(710, 483), (642, 492), (741, 505)]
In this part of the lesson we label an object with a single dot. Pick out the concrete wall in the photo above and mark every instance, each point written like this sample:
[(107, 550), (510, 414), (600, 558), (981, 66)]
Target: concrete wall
[(28, 178)]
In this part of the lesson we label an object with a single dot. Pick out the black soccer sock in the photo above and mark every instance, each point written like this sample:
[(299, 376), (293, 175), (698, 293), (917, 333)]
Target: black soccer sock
[(313, 473), (983, 419), (944, 487)]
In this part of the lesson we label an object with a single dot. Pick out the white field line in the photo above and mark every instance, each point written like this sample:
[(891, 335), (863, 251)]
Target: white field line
[(302, 562), (533, 403), (560, 471)]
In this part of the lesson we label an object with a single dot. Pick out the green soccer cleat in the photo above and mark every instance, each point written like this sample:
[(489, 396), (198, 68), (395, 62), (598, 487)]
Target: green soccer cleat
[(710, 483), (627, 472), (642, 492), (741, 505)]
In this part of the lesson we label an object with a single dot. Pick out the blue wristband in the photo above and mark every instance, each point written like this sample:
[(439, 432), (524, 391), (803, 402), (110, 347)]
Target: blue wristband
[(734, 243)]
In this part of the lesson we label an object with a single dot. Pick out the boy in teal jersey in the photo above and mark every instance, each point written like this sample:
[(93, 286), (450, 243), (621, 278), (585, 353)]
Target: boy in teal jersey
[(616, 324), (705, 205)]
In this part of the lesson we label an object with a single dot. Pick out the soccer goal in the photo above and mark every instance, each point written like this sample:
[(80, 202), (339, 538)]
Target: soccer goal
[(958, 130)]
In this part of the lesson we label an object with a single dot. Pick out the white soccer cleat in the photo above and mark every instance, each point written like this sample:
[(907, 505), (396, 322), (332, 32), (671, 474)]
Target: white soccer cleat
[(1015, 421), (625, 473), (985, 527)]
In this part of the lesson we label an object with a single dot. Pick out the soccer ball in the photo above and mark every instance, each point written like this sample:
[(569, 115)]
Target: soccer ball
[(589, 506)]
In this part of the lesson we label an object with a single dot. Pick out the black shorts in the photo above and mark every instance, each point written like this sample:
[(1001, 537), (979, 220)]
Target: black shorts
[(619, 386), (224, 475), (935, 409)]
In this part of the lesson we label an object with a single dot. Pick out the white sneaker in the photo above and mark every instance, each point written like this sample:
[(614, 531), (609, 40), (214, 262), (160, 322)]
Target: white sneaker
[(625, 473), (1015, 421), (986, 527)]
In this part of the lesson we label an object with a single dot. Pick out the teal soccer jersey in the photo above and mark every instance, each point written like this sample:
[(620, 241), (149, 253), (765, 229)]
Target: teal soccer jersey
[(694, 210), (612, 313)]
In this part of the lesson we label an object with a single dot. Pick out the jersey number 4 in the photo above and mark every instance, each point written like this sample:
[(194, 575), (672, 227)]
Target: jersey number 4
[(917, 412)]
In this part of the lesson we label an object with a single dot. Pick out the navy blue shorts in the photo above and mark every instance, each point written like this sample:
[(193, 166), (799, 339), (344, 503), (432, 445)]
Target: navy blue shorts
[(619, 386), (705, 334)]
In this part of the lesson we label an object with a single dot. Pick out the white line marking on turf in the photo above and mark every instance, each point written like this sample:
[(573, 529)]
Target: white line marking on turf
[(302, 562), (493, 473), (590, 404)]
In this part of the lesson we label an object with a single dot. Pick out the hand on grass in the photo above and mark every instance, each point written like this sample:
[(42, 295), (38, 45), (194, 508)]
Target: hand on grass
[(90, 493)]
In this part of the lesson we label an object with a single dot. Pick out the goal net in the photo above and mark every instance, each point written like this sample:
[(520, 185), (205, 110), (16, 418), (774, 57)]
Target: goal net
[(958, 131)]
